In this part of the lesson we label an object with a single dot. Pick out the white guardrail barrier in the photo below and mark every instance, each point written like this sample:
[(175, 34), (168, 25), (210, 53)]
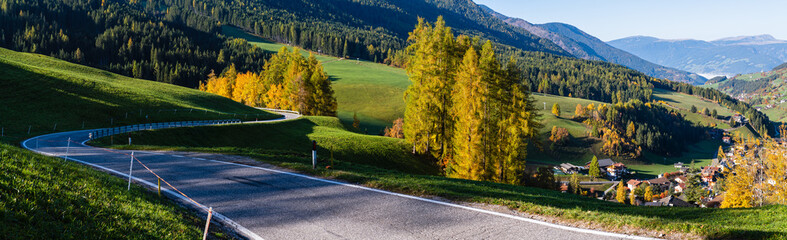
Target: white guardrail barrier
[(103, 132)]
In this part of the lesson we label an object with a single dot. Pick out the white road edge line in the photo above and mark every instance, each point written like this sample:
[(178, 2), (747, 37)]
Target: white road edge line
[(524, 219), (245, 231)]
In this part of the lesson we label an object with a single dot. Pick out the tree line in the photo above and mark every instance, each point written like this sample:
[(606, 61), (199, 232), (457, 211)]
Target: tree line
[(288, 81), (465, 108), (144, 40)]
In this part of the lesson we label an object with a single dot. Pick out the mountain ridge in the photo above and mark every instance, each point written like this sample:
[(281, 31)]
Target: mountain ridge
[(725, 56), (586, 46)]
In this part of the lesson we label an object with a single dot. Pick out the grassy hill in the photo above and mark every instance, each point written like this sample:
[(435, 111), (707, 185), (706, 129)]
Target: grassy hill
[(48, 198), (375, 92), (765, 90), (384, 163), (40, 92)]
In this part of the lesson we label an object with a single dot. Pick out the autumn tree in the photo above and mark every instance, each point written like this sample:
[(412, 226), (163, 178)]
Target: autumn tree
[(356, 122), (648, 193), (579, 111), (395, 131), (470, 96), (620, 193), (573, 184), (558, 135), (431, 69), (556, 110), (630, 130)]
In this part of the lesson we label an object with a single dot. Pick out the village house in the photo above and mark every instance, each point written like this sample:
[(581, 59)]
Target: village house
[(617, 171), (633, 183), (659, 184), (569, 168)]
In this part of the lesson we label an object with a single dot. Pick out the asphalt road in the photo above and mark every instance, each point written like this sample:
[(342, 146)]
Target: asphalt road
[(275, 204)]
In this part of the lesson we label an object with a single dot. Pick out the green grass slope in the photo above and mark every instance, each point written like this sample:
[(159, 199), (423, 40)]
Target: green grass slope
[(291, 138), (39, 91), (50, 198), (375, 92), (376, 164)]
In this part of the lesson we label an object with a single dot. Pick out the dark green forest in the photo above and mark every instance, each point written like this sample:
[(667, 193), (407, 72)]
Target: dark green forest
[(141, 40)]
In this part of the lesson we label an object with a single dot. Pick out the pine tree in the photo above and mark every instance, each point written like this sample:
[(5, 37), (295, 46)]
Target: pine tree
[(593, 169), (431, 68), (470, 94), (556, 110), (517, 125)]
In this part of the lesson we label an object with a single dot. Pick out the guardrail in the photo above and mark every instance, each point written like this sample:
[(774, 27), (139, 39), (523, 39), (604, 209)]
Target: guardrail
[(279, 110), (103, 132)]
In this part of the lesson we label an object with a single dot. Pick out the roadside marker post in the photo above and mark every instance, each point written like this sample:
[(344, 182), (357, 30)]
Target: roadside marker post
[(130, 167), (159, 187), (314, 154), (28, 129), (207, 224), (68, 146)]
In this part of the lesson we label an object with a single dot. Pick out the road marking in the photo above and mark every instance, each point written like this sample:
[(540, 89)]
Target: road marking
[(177, 156), (243, 230), (200, 159)]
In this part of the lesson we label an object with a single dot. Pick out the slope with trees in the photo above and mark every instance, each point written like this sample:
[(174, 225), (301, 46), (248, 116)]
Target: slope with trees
[(143, 40)]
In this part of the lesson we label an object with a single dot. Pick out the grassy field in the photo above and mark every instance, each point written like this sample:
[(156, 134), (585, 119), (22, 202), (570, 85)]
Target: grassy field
[(50, 198), (357, 165), (685, 101), (375, 92), (40, 92)]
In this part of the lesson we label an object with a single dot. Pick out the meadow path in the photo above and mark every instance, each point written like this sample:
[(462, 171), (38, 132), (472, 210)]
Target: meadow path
[(272, 203)]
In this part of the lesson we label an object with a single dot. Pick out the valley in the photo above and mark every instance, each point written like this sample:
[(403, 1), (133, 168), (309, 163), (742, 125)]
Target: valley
[(358, 119)]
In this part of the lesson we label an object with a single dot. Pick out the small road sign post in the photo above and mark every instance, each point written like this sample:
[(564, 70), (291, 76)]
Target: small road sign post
[(130, 167), (314, 154)]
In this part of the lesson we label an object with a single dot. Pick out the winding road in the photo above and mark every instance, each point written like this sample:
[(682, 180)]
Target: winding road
[(270, 203)]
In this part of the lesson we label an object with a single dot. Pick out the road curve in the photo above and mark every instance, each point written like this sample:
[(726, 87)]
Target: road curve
[(275, 204)]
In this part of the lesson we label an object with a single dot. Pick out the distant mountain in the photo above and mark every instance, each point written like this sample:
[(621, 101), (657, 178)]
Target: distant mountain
[(727, 56), (586, 46)]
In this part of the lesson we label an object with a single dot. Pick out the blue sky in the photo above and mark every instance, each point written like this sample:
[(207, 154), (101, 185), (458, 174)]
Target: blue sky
[(668, 19)]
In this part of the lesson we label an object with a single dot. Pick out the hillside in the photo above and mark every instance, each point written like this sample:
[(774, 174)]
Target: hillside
[(729, 56), (49, 198), (765, 90), (586, 46), (43, 94)]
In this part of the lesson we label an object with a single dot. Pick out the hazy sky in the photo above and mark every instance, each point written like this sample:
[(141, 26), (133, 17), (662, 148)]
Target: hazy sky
[(668, 19)]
